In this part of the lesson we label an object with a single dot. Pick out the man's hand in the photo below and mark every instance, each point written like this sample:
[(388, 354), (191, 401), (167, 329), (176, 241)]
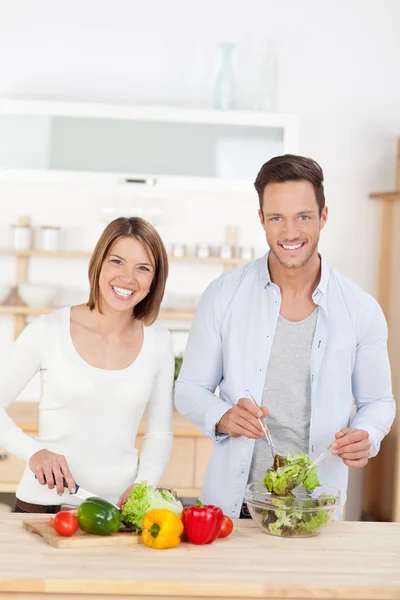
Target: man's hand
[(353, 448), (50, 469), (242, 419)]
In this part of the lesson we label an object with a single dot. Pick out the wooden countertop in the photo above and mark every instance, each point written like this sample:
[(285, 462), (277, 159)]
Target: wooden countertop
[(347, 561), (25, 414)]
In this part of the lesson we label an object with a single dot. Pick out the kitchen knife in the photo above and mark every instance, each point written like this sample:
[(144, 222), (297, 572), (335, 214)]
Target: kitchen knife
[(83, 494)]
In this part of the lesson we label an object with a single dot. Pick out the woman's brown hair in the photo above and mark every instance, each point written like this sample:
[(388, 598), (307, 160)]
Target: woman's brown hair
[(138, 229)]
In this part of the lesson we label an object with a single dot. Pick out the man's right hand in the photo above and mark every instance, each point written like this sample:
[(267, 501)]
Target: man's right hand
[(50, 467), (242, 419)]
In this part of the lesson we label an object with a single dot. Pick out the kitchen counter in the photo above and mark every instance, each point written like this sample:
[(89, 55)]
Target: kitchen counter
[(347, 561)]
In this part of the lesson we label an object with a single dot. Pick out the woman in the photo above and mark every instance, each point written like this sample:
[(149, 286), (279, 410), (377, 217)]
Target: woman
[(101, 365)]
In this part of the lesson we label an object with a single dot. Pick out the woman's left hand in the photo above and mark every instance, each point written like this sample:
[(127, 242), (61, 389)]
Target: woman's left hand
[(124, 497)]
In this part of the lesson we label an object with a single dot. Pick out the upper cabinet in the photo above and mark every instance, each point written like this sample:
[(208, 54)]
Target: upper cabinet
[(137, 144)]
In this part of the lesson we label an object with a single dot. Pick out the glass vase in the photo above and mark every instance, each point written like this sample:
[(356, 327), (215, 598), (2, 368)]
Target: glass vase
[(224, 93)]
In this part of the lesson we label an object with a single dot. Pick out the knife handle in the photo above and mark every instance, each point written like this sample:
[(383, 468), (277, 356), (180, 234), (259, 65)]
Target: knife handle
[(65, 484)]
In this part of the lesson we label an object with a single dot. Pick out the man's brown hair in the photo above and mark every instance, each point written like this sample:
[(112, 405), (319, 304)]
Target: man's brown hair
[(138, 229), (291, 167)]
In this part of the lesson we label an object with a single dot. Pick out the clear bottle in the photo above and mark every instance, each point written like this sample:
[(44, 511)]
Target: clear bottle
[(224, 92), (267, 96)]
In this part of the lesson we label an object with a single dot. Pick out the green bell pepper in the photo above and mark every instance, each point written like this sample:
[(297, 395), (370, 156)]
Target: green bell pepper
[(98, 516)]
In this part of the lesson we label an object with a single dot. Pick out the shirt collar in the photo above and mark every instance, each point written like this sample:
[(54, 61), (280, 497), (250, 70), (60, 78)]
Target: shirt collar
[(265, 275), (325, 274)]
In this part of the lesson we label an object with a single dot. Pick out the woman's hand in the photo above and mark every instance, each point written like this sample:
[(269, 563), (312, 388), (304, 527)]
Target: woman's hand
[(50, 469), (124, 497)]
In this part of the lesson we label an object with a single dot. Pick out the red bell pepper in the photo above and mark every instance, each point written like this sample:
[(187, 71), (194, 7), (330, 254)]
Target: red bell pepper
[(202, 523)]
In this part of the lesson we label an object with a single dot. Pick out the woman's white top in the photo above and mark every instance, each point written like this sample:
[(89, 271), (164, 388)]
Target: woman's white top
[(89, 415)]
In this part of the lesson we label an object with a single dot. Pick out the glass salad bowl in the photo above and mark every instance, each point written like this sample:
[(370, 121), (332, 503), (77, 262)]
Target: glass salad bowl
[(302, 514)]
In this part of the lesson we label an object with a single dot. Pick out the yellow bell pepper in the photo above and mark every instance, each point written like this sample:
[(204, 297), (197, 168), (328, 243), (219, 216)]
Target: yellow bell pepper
[(161, 529)]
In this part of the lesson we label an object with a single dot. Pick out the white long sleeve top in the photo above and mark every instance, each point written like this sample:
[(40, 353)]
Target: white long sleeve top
[(89, 415)]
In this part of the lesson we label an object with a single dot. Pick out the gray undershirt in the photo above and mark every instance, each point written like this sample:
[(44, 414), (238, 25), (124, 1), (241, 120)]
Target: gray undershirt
[(287, 393)]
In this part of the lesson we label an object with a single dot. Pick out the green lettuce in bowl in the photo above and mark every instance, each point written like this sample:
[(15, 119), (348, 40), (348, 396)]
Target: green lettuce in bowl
[(289, 471), (300, 514)]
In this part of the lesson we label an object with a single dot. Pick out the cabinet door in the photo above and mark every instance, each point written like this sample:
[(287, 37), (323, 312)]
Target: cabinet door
[(142, 142), (179, 474), (11, 470)]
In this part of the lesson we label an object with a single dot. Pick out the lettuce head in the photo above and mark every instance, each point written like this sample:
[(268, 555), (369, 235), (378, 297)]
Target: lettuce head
[(144, 498)]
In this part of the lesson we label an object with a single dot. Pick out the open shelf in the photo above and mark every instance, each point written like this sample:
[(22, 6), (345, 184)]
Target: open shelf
[(87, 255), (50, 253), (390, 196), (19, 311)]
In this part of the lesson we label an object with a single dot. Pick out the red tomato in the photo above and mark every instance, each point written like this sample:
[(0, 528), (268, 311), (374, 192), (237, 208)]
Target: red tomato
[(226, 528), (65, 523)]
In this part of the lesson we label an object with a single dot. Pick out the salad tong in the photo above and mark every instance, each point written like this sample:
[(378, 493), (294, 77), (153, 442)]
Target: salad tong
[(326, 452), (264, 427)]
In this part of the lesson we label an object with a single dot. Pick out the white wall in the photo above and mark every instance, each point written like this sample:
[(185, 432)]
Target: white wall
[(339, 65)]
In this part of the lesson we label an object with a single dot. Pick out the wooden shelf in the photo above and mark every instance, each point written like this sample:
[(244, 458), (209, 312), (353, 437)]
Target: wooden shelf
[(393, 196), (87, 255), (20, 312), (209, 260), (41, 310), (25, 310), (52, 253)]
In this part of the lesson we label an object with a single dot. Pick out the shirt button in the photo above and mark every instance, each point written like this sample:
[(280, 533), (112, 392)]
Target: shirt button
[(235, 505), (243, 472)]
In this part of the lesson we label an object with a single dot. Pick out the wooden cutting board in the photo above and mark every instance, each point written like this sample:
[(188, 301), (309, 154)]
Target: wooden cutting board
[(80, 539)]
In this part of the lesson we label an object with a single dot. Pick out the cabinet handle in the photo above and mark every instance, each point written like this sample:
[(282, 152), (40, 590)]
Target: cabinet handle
[(3, 455), (149, 181)]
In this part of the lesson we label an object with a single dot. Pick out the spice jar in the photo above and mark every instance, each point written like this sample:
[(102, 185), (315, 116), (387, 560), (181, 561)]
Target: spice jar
[(48, 238), (203, 250), (178, 250), (21, 237), (225, 251), (246, 252)]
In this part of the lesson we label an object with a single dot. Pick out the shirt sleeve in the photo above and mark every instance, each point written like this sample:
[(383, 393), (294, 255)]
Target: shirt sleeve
[(202, 368), (157, 441), (16, 370), (371, 381)]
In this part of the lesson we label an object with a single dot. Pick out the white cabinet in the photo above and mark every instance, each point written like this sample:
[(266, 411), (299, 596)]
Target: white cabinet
[(135, 144)]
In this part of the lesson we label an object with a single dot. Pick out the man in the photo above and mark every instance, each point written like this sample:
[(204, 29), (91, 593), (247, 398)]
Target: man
[(301, 337)]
